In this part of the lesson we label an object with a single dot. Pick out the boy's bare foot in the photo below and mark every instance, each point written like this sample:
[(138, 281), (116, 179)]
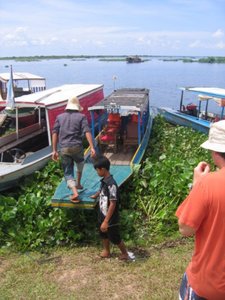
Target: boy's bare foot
[(105, 254), (124, 257), (79, 187)]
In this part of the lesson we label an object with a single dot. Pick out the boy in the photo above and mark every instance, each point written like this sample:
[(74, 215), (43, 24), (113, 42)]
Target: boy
[(108, 209)]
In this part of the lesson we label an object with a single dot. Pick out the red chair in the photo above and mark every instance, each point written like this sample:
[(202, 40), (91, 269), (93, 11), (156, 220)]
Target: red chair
[(110, 134), (130, 136)]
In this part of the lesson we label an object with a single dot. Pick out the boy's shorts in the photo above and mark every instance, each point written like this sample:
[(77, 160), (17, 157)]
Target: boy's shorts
[(112, 234), (186, 292)]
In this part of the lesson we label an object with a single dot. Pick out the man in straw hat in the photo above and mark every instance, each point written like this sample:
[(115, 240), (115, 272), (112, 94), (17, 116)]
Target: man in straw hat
[(202, 214), (68, 130)]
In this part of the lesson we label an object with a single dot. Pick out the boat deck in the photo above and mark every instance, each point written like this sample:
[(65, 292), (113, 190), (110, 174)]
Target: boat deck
[(120, 158)]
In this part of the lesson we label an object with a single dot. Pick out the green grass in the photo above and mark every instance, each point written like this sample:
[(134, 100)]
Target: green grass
[(79, 273)]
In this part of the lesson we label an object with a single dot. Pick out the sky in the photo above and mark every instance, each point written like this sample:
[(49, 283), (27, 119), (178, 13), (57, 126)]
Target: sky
[(97, 27)]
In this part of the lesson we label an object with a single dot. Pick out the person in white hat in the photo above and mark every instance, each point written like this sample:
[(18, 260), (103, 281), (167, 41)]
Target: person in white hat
[(68, 130), (202, 214)]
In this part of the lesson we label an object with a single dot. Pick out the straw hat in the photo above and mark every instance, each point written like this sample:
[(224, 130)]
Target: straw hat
[(216, 140), (74, 104)]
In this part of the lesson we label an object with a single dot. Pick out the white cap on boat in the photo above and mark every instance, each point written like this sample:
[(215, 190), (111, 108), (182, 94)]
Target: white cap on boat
[(74, 104), (216, 140)]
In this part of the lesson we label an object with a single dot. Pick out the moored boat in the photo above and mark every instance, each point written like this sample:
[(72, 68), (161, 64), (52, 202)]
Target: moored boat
[(24, 83), (123, 139), (195, 115), (28, 149)]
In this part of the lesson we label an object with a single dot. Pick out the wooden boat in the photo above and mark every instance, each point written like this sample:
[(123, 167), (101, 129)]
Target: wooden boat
[(28, 148), (134, 59), (123, 139), (194, 115)]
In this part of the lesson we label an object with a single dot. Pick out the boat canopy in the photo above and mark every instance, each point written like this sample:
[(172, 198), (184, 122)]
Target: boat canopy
[(124, 101), (35, 81), (207, 91), (52, 98), (219, 101), (20, 76)]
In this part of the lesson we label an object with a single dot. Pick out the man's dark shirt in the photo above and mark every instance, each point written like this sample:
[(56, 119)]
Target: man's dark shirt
[(70, 126)]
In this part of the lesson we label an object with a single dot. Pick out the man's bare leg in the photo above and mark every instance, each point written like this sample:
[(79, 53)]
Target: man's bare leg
[(74, 196), (78, 181)]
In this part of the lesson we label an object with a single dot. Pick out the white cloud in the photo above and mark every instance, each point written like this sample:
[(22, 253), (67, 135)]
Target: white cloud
[(220, 45), (218, 34), (195, 44)]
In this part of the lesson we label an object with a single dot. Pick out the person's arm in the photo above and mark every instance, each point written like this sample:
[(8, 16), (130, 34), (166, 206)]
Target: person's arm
[(186, 230), (95, 195), (105, 223), (90, 142), (55, 154)]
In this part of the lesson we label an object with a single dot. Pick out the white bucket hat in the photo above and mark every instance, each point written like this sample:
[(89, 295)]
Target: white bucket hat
[(74, 104), (216, 140)]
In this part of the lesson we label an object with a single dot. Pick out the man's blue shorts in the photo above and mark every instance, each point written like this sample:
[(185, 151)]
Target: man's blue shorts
[(186, 291)]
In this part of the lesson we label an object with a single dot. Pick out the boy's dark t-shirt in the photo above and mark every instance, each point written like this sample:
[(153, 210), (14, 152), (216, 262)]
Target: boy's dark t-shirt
[(108, 191)]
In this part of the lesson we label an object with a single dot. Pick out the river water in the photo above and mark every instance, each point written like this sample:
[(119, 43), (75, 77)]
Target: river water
[(163, 78)]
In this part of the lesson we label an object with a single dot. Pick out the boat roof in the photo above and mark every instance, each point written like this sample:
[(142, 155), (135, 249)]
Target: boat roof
[(207, 91), (20, 76), (55, 96), (124, 100)]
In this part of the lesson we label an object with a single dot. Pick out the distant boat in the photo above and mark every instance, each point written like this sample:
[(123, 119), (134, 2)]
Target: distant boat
[(134, 59), (28, 149), (22, 84), (123, 139), (191, 114)]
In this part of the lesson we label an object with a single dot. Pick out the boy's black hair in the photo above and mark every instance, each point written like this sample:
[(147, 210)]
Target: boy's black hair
[(102, 162)]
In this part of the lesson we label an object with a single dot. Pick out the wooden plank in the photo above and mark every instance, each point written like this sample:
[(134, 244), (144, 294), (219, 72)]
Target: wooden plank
[(6, 139), (14, 142), (29, 129), (91, 184)]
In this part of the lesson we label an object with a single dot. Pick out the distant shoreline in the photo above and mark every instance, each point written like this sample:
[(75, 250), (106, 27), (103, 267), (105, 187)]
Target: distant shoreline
[(116, 58)]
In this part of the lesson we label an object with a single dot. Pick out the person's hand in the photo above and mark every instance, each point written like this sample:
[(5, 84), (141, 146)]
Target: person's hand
[(104, 226), (200, 171), (93, 153), (55, 155)]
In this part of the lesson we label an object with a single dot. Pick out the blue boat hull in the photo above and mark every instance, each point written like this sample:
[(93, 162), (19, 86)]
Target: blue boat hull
[(179, 118)]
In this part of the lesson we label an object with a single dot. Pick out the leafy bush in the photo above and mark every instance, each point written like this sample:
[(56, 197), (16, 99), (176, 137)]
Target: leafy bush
[(29, 221), (149, 198), (161, 182)]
